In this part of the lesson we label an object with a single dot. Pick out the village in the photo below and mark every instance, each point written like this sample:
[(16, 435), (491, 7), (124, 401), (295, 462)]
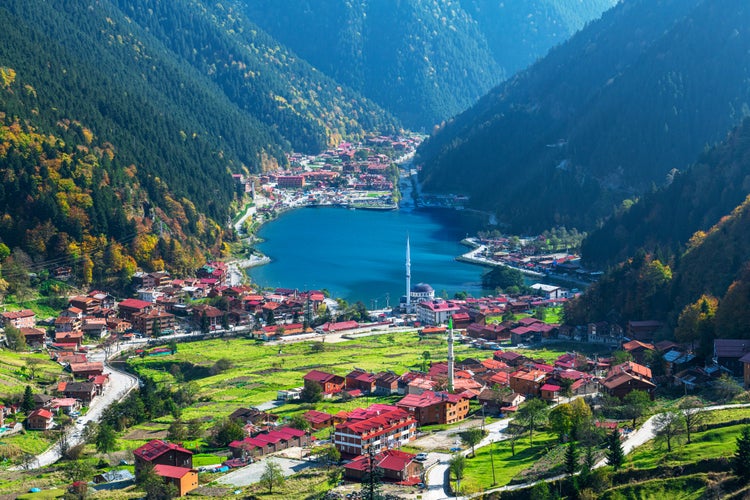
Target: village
[(495, 378), (405, 423)]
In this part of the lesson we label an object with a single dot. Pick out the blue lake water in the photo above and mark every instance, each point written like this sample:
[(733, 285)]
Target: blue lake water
[(360, 254)]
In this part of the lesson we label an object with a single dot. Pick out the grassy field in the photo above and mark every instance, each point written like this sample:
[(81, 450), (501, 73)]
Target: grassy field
[(16, 371), (679, 488), (303, 485), (478, 472), (259, 370), (708, 444)]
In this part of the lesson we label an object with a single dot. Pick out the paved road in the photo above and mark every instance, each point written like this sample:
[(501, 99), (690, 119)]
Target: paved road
[(250, 474), (120, 385)]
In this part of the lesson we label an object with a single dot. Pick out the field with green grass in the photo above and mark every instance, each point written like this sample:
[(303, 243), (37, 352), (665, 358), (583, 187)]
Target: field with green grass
[(712, 443), (259, 370), (679, 488), (478, 472), (18, 369)]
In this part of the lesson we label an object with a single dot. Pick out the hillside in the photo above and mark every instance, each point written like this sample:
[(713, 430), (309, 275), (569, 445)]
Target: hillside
[(129, 121), (602, 117), (684, 250), (423, 60)]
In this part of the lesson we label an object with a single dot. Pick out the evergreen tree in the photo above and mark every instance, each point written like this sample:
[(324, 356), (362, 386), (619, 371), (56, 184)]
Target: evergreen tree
[(372, 481), (615, 453), (27, 405), (571, 458), (741, 459)]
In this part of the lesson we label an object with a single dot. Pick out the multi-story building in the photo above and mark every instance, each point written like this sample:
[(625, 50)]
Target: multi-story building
[(378, 427), (153, 320), (436, 407), (435, 312), (20, 319)]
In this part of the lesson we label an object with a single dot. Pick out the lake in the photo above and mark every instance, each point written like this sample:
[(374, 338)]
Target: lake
[(359, 255)]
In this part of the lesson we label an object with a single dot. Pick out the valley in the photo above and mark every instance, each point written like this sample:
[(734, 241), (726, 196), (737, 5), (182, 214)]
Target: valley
[(419, 249)]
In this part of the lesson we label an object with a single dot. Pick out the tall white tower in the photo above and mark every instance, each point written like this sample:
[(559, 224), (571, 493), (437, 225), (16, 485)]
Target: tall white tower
[(408, 275), (450, 355)]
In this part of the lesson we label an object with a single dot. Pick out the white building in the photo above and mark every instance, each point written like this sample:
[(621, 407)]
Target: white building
[(436, 311)]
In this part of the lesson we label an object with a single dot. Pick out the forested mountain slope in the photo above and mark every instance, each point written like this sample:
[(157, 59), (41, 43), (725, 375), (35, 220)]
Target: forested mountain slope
[(424, 60), (688, 243), (173, 96), (602, 117)]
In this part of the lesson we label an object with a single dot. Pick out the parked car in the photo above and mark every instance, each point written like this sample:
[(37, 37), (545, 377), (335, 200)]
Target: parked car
[(421, 457)]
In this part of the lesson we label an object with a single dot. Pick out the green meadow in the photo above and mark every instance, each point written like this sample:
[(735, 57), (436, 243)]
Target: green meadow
[(259, 370)]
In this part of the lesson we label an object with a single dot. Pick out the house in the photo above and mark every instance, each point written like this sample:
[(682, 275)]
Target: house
[(34, 336), (185, 479), (319, 419), (25, 318), (360, 379), (627, 377), (386, 383), (269, 442), (129, 307), (86, 370), (328, 382), (65, 405), (436, 312), (159, 452), (638, 350), (152, 321), (87, 305), (252, 416), (435, 407), (212, 314), (377, 427), (393, 465), (549, 392), (85, 391), (68, 337), (95, 327), (728, 352), (40, 420), (42, 401), (510, 358), (527, 382)]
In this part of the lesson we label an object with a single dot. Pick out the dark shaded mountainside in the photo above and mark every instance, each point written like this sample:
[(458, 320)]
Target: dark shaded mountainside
[(122, 122), (601, 118), (423, 60), (689, 246)]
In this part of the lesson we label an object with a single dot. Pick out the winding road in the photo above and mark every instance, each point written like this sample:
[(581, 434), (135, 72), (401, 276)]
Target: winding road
[(120, 384)]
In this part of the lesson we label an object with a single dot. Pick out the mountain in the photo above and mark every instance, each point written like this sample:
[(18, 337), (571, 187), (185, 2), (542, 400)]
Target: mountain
[(686, 244), (423, 60), (169, 99), (602, 118)]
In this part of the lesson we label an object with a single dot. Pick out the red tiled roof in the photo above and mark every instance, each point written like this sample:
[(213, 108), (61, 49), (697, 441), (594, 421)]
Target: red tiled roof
[(171, 471), (318, 376), (135, 304), (428, 398), (317, 417), (550, 387), (156, 448), (25, 313), (41, 412)]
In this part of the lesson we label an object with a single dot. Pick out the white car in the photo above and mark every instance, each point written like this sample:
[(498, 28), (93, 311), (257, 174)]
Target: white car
[(421, 457)]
